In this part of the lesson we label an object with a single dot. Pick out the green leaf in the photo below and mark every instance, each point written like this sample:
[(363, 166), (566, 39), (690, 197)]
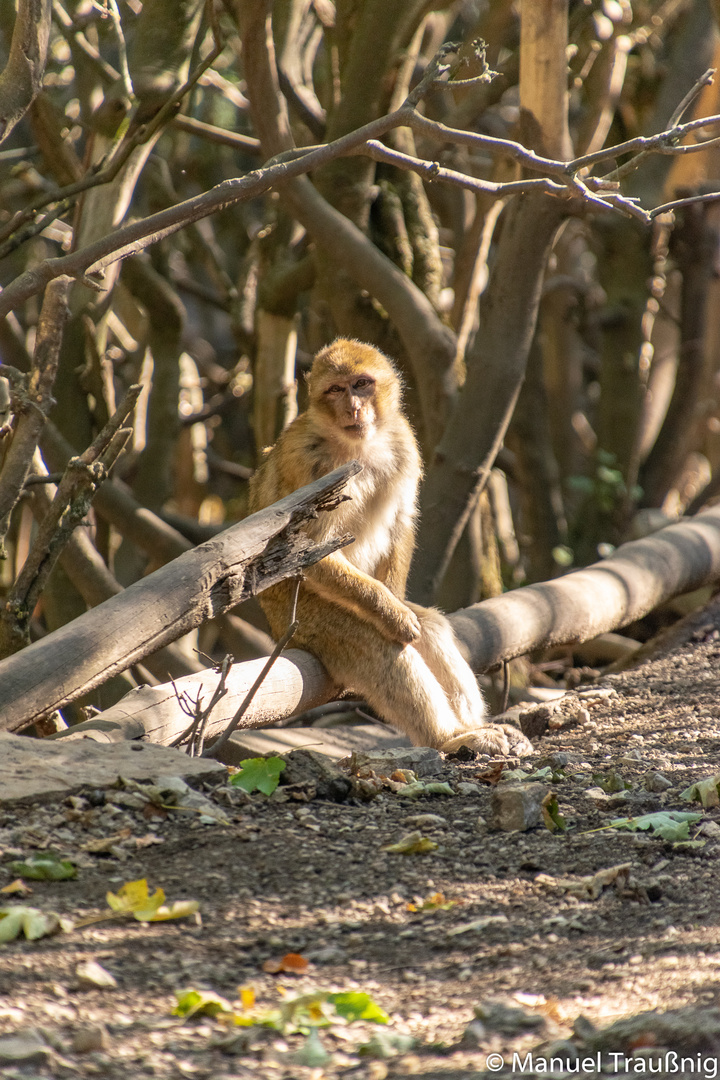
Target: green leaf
[(611, 477), (605, 457), (44, 867), (612, 782), (357, 1006), (552, 818), (669, 824), (33, 923), (259, 774), (413, 843), (312, 1054), (706, 792), (423, 787), (191, 1002), (562, 554)]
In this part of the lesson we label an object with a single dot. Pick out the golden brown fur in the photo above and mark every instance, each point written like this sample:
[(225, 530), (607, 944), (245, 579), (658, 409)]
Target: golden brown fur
[(402, 658)]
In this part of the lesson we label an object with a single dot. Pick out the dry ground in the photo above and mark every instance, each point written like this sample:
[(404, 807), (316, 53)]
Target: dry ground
[(312, 878)]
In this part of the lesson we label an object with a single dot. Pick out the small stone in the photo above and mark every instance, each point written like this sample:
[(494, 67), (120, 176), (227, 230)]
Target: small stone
[(475, 1034), (92, 975), (632, 757), (466, 787), (656, 782), (517, 806), (597, 795), (558, 760), (24, 1048), (88, 1039), (507, 1020), (425, 821)]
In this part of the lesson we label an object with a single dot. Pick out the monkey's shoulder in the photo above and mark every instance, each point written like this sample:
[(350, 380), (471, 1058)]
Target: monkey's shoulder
[(289, 464)]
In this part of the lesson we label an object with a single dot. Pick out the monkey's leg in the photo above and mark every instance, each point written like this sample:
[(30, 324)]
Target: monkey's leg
[(438, 648), (395, 680)]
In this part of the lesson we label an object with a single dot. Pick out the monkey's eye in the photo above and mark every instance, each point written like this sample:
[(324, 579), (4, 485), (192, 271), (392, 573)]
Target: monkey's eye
[(362, 383), (335, 389)]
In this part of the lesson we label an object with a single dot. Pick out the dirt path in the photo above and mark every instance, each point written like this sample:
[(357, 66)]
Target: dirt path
[(312, 878)]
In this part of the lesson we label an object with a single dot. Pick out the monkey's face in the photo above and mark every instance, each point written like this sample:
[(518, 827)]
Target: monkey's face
[(350, 403)]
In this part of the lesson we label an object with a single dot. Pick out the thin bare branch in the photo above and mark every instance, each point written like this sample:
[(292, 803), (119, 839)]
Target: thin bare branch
[(282, 643), (694, 92), (676, 204)]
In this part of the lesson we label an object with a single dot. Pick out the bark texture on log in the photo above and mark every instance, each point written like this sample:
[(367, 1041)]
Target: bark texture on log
[(608, 595)]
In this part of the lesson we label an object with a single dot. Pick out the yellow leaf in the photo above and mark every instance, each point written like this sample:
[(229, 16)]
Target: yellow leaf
[(178, 910), (134, 897), (247, 997)]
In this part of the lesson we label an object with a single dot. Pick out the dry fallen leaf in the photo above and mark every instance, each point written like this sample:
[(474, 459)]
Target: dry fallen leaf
[(291, 963), (99, 847), (16, 888)]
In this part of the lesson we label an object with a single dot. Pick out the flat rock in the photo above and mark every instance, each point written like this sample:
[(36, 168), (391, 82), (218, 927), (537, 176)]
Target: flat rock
[(33, 770), (336, 742), (517, 806), (422, 760)]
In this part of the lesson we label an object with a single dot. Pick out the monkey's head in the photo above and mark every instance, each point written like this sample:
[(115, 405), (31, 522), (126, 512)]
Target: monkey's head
[(353, 387)]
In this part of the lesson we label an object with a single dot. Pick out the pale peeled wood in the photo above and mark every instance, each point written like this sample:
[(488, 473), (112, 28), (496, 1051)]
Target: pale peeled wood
[(202, 583), (606, 596)]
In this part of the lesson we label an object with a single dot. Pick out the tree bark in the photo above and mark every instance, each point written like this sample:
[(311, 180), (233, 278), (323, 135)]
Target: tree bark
[(496, 369), (21, 79)]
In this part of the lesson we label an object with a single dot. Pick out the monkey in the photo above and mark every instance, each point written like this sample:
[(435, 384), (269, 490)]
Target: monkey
[(403, 659)]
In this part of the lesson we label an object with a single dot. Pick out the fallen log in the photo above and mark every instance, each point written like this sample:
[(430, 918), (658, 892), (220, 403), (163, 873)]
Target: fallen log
[(200, 584), (606, 596)]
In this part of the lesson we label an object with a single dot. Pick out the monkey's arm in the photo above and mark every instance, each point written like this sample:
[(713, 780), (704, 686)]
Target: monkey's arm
[(394, 569), (336, 579)]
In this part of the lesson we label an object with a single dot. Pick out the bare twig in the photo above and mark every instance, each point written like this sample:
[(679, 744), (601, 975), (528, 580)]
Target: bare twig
[(216, 746), (690, 200), (195, 733), (692, 94)]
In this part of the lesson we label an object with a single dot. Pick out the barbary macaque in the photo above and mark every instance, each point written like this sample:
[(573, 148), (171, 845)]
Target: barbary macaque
[(402, 658)]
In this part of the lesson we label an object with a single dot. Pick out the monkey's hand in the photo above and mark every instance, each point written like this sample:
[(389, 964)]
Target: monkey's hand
[(339, 581), (397, 622)]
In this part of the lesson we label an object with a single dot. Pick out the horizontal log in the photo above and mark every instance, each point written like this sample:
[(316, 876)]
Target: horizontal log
[(627, 585), (635, 579)]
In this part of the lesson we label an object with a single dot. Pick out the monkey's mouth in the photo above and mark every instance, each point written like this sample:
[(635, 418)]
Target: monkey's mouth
[(355, 429)]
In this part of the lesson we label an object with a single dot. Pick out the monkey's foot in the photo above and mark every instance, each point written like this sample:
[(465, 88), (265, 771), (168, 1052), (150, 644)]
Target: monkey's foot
[(497, 740)]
